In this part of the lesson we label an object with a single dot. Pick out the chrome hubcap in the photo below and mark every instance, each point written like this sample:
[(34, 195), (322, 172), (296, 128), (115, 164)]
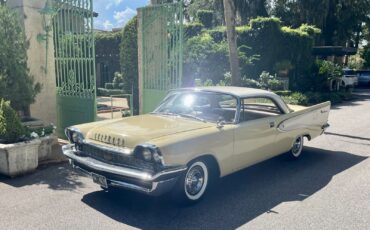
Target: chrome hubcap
[(297, 146), (194, 180)]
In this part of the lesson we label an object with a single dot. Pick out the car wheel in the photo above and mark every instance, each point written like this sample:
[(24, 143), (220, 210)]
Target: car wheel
[(192, 186), (296, 150)]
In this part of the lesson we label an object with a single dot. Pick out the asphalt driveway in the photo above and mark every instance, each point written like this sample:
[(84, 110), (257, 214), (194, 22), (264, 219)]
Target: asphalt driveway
[(328, 188)]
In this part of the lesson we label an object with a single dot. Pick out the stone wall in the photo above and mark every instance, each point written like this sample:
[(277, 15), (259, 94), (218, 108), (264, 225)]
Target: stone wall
[(45, 106)]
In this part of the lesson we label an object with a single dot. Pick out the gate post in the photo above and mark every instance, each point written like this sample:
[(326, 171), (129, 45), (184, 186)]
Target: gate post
[(140, 58), (160, 38), (44, 107)]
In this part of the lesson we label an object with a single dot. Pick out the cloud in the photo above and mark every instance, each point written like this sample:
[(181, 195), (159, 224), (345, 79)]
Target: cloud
[(110, 3), (122, 17), (107, 25)]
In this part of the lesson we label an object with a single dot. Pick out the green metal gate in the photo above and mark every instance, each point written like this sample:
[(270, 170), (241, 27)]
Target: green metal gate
[(74, 62), (161, 28)]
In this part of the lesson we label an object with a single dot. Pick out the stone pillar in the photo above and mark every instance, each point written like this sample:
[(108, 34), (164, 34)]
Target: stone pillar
[(44, 107), (140, 58)]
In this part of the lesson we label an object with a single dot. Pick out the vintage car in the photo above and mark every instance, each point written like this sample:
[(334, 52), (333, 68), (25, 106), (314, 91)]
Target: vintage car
[(194, 136)]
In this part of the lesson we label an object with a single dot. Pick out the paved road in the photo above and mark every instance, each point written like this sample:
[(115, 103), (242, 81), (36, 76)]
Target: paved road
[(328, 188)]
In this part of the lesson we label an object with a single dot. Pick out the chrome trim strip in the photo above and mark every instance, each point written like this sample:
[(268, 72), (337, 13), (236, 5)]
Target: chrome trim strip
[(122, 184), (127, 172)]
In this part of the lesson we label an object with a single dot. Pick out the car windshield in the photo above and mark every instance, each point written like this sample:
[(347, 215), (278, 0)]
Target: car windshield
[(199, 105)]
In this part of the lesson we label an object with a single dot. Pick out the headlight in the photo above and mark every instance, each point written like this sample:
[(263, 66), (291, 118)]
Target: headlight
[(74, 135), (148, 152)]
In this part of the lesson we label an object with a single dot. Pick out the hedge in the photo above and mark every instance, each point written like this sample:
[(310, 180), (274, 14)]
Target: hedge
[(109, 92)]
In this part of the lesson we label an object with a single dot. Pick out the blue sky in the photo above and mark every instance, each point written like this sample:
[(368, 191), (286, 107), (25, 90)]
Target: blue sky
[(115, 13)]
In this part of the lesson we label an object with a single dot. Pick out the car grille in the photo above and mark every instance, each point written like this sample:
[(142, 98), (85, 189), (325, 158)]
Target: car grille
[(116, 158)]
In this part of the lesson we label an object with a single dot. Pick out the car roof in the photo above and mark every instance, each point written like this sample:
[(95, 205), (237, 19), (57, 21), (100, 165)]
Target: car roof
[(233, 90)]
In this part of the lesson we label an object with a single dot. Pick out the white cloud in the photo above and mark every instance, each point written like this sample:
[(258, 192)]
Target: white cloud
[(107, 25), (122, 17), (110, 3)]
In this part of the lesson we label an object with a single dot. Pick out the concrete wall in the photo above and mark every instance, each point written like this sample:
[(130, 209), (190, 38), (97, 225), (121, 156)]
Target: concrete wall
[(45, 106)]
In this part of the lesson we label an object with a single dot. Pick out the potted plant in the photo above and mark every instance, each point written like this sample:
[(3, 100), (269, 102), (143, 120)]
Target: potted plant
[(17, 154)]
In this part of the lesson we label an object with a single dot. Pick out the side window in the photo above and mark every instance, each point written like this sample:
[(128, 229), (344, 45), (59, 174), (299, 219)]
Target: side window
[(227, 101), (225, 106), (258, 107)]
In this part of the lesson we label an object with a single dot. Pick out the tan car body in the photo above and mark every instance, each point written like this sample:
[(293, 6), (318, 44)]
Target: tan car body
[(234, 146)]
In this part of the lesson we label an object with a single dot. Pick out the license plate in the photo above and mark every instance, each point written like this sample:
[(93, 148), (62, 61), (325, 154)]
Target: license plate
[(100, 180)]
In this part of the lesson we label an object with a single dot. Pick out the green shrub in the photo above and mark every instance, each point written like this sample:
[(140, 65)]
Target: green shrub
[(312, 98), (283, 92), (192, 29), (109, 86), (11, 129), (310, 29), (205, 59), (40, 131), (251, 83), (205, 17), (296, 98), (275, 84), (322, 72), (109, 92)]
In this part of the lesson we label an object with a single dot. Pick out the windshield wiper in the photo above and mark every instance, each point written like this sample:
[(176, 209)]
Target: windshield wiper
[(180, 114), (191, 116)]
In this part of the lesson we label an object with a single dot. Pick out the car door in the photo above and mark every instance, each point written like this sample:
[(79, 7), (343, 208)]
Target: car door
[(255, 134)]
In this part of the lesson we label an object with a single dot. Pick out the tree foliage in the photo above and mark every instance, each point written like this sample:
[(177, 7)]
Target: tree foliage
[(129, 60), (16, 83), (341, 21)]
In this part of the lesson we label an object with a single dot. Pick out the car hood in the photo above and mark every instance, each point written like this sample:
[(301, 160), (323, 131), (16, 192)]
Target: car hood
[(128, 132)]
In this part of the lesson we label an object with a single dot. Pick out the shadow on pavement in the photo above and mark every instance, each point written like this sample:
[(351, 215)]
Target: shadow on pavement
[(57, 177), (235, 200), (358, 96)]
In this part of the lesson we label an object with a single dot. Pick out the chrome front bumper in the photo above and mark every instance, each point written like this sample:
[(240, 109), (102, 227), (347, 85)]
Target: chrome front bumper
[(123, 177)]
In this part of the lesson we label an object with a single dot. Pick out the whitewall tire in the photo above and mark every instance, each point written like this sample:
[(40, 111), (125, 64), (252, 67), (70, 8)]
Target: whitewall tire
[(296, 150), (192, 186)]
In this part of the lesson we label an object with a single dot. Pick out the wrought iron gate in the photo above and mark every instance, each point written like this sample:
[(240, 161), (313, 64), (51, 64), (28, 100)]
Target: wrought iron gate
[(74, 62), (161, 28)]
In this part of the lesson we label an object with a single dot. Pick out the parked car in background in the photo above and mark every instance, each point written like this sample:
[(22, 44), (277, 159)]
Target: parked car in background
[(363, 77), (349, 79), (194, 136)]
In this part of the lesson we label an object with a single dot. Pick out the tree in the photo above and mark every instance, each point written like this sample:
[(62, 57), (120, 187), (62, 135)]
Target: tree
[(16, 83), (229, 11), (341, 21)]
